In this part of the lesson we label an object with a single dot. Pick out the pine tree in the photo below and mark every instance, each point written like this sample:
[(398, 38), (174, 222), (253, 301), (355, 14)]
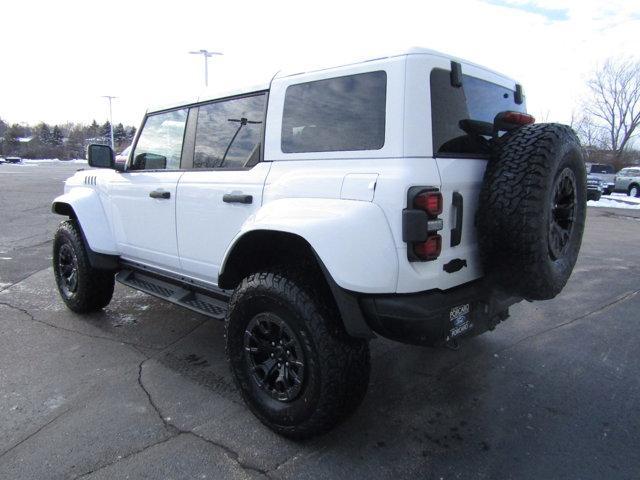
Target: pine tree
[(92, 130), (119, 134), (57, 137), (43, 132), (105, 130)]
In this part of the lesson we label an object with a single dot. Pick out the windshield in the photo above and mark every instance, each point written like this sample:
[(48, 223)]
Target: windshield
[(601, 169), (476, 100)]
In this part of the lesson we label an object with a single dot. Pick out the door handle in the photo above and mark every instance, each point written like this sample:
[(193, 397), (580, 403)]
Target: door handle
[(160, 194), (237, 198), (456, 232)]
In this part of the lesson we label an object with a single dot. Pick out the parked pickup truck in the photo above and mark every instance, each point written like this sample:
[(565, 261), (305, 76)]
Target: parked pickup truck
[(409, 197)]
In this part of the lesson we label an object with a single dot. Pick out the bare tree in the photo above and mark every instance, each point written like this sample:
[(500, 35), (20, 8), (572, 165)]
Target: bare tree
[(614, 106)]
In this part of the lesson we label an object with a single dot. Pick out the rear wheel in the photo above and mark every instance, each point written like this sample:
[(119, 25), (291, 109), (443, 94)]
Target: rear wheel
[(296, 368), (634, 191), (532, 210), (82, 288)]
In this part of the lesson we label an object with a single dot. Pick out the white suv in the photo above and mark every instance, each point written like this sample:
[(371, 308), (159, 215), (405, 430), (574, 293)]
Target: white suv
[(409, 196)]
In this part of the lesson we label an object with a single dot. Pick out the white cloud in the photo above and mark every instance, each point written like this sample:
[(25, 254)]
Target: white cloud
[(59, 57)]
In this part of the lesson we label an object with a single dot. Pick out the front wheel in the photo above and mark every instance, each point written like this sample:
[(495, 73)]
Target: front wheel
[(82, 288), (634, 191), (296, 368)]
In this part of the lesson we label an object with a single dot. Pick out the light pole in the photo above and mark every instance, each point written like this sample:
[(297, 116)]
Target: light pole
[(109, 97), (205, 54)]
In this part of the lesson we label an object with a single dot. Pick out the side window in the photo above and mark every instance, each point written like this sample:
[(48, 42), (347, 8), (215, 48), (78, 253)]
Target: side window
[(229, 133), (160, 142), (336, 114)]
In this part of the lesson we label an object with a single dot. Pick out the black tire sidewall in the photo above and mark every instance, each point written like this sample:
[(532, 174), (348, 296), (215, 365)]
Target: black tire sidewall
[(557, 271), (65, 237), (253, 300)]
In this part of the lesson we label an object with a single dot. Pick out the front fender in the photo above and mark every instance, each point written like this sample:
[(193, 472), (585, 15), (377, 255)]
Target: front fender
[(87, 207), (352, 238)]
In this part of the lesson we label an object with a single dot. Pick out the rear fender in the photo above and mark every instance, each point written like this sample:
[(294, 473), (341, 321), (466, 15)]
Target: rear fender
[(352, 239)]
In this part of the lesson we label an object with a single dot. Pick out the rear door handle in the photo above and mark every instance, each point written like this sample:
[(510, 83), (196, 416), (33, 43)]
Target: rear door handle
[(160, 194), (456, 232), (237, 198)]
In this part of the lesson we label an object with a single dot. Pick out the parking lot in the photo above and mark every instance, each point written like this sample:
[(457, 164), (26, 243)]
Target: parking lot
[(142, 389)]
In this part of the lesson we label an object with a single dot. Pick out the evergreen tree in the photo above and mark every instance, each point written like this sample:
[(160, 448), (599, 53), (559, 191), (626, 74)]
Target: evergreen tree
[(105, 130), (57, 137), (93, 130), (131, 134), (119, 135), (43, 132)]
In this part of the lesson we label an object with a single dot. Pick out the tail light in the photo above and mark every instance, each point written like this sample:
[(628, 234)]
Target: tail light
[(429, 249), (420, 224), (430, 202)]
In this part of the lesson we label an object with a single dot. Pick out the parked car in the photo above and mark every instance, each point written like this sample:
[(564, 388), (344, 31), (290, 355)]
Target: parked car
[(595, 187), (604, 172), (323, 208), (123, 156), (628, 181), (13, 159), (1, 160)]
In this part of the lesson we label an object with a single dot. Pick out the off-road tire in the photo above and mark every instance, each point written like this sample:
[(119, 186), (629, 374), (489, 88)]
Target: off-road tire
[(337, 365), (518, 205), (94, 288)]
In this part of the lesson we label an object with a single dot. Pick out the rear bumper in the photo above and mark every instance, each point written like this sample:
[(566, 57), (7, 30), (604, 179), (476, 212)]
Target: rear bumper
[(434, 317)]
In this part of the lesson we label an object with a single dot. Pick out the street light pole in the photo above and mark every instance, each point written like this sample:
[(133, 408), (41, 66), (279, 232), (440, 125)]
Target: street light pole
[(205, 55), (109, 97)]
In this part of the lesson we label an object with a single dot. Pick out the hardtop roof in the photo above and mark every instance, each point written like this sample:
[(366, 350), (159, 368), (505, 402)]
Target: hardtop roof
[(216, 94)]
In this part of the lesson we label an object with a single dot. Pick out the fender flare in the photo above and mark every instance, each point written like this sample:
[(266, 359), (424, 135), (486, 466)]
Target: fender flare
[(351, 238), (84, 205)]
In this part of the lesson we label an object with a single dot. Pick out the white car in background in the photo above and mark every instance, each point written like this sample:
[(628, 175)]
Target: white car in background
[(123, 156)]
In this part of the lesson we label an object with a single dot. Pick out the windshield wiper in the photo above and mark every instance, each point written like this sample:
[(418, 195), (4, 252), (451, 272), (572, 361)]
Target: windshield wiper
[(243, 121)]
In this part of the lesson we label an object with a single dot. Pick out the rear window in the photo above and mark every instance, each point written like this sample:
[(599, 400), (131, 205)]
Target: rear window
[(337, 114), (475, 100), (602, 169)]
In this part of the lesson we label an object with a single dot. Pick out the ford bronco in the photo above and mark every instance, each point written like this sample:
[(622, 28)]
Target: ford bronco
[(410, 197)]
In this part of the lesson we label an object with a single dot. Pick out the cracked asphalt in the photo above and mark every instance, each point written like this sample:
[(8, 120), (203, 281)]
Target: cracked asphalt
[(141, 390)]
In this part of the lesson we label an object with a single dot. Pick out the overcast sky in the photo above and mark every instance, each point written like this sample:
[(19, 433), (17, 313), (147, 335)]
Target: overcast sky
[(58, 58)]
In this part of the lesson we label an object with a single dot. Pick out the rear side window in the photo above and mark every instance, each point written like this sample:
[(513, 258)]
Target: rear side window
[(475, 100), (160, 144), (336, 114), (229, 133)]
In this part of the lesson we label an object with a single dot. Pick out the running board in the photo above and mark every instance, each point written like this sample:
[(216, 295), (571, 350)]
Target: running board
[(174, 293)]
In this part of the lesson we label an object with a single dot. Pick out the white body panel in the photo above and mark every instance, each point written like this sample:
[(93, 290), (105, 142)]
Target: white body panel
[(145, 227), (205, 224), (347, 205), (351, 237)]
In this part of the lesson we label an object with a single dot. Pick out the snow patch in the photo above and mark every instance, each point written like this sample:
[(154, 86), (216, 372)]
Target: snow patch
[(618, 201)]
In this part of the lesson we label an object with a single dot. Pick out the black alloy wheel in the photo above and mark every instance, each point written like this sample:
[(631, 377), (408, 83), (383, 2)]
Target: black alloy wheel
[(274, 357), (563, 212), (68, 268)]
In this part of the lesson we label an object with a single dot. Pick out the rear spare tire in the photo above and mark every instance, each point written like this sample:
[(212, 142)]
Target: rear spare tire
[(532, 210)]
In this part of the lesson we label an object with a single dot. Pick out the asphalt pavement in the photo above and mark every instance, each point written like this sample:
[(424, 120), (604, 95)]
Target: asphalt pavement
[(141, 390)]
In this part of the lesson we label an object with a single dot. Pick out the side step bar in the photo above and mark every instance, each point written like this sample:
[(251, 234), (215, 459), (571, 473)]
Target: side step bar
[(174, 293)]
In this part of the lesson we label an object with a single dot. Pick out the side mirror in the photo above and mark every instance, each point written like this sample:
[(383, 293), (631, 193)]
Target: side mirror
[(150, 161), (100, 156)]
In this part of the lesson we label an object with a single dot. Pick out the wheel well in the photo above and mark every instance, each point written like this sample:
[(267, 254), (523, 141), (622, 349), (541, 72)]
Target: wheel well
[(262, 250), (63, 209)]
